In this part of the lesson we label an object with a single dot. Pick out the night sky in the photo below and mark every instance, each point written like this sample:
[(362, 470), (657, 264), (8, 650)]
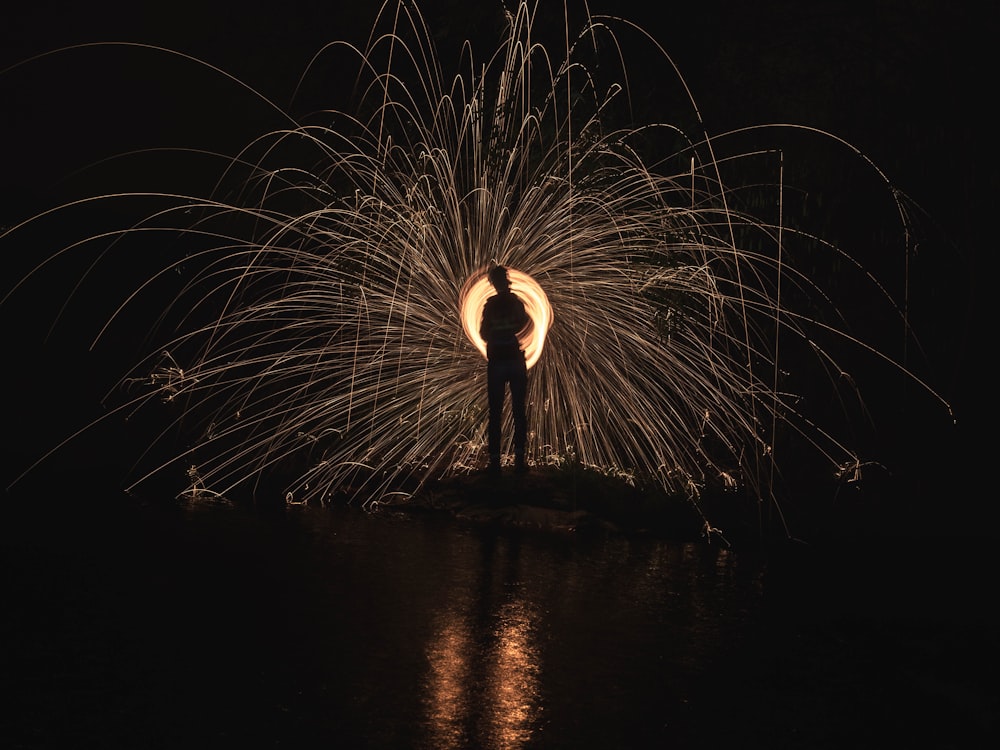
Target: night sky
[(909, 83)]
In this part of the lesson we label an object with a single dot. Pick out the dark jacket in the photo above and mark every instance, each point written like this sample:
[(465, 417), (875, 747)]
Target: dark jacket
[(504, 317)]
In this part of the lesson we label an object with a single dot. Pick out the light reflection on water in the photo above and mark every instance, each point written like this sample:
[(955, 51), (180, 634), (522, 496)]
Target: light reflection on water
[(532, 639), (333, 626), (482, 687)]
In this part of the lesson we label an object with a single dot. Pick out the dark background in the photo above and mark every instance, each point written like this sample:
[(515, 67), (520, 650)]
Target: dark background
[(909, 84)]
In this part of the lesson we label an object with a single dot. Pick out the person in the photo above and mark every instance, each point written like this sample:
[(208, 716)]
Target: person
[(503, 318)]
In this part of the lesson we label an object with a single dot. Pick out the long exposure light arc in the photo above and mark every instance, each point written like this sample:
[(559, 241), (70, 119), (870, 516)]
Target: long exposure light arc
[(314, 331), (473, 298)]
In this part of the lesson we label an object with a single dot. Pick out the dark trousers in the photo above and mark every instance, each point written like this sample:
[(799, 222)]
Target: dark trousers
[(498, 374)]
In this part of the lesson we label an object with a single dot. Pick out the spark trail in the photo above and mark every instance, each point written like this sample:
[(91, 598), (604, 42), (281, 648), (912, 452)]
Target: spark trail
[(326, 327)]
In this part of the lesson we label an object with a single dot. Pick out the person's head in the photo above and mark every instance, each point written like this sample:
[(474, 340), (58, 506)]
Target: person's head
[(499, 279)]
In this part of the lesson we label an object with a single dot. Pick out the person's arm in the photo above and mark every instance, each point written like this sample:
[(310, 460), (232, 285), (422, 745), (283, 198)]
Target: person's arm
[(524, 317), (484, 324)]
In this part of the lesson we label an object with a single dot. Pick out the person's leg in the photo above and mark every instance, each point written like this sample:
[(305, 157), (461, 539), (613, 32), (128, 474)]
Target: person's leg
[(518, 395), (495, 387)]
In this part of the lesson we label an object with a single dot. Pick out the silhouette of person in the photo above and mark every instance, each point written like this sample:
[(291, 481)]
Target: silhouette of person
[(504, 317)]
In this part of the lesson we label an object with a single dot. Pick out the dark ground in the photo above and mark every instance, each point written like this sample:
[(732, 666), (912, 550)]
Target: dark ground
[(865, 639), (859, 642)]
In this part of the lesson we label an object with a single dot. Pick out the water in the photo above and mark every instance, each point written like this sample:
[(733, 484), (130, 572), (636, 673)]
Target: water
[(170, 625), (155, 626)]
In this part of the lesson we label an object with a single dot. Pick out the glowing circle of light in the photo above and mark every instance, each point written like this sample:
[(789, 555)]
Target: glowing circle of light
[(478, 289)]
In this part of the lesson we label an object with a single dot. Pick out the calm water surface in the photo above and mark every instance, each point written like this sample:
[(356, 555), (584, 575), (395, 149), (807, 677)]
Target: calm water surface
[(152, 626)]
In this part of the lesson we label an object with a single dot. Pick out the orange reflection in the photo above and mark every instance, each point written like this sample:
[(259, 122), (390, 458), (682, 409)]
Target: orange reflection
[(478, 289), (512, 683), (483, 693), (449, 683)]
